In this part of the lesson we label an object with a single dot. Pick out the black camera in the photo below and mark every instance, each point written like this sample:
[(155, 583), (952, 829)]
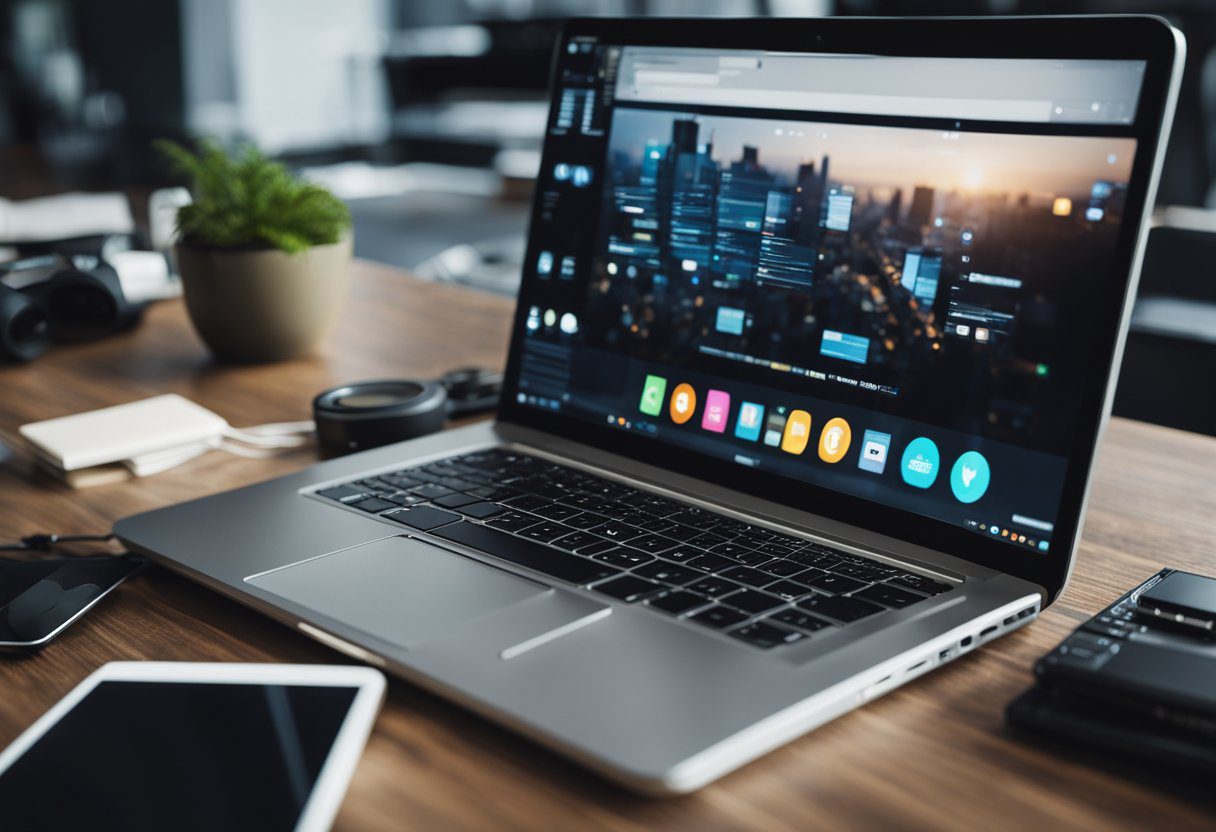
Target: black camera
[(55, 297)]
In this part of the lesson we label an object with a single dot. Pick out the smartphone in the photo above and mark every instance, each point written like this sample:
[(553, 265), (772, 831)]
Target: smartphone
[(41, 598)]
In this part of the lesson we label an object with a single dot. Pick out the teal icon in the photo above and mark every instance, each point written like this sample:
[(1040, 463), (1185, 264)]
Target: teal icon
[(969, 477), (920, 462)]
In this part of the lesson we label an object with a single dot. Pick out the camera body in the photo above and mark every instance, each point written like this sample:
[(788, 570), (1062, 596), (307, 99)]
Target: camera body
[(55, 298)]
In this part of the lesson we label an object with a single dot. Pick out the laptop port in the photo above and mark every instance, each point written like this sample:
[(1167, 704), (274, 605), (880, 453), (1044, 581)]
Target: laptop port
[(965, 642), (988, 631), (1010, 620), (1026, 612)]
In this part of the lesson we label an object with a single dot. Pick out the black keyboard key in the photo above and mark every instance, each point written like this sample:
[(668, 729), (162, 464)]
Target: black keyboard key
[(423, 518), (457, 483), (527, 503), (677, 601), (718, 617), (766, 636), (545, 531), (919, 583), (711, 563), (560, 565), (514, 521), (493, 492), (801, 620), (618, 532), (785, 568), (754, 559), (583, 520), (683, 554), (844, 610), (659, 526), (861, 571), (431, 491), (481, 511), (455, 500), (705, 541), (747, 575), (816, 559), (730, 550), (341, 492), (788, 589), (835, 584), (403, 499), (557, 511), (775, 549), (652, 543), (713, 586), (600, 545), (889, 596), (752, 602), (373, 505), (628, 588), (576, 541), (624, 558), (668, 573)]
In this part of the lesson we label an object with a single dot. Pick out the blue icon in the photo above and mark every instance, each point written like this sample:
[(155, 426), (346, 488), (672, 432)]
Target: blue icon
[(1042, 545), (874, 447), (969, 477), (561, 171), (580, 176), (751, 416), (920, 462), (995, 530)]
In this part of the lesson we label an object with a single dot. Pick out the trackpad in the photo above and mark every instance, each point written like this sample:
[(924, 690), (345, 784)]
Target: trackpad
[(399, 589)]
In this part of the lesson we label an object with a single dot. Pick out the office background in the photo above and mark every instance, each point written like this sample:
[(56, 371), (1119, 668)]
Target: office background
[(426, 119)]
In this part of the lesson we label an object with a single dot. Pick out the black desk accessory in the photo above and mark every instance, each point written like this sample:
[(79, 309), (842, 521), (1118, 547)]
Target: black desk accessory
[(1137, 682), (368, 414)]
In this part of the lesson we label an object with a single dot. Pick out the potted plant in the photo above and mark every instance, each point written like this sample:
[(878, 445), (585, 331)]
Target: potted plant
[(262, 254)]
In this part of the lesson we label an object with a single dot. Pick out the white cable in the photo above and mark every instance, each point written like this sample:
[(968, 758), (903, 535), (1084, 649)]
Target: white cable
[(277, 435)]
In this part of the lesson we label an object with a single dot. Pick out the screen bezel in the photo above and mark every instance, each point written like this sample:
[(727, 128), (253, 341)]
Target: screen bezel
[(329, 788), (1149, 39)]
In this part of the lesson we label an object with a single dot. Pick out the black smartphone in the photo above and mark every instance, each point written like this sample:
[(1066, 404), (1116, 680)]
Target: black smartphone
[(39, 599)]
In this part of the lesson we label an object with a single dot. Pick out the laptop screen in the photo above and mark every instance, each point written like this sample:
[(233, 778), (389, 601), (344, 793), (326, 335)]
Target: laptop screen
[(871, 274)]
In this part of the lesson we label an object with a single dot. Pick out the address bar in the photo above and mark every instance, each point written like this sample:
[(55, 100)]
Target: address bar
[(698, 88)]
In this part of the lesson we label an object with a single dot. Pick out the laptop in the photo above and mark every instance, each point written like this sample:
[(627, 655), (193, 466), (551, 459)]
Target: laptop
[(815, 342)]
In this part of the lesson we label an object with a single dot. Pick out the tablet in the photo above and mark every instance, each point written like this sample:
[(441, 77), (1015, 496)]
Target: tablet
[(184, 746)]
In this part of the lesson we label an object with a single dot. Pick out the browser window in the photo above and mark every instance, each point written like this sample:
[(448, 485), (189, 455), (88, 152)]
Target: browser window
[(868, 273)]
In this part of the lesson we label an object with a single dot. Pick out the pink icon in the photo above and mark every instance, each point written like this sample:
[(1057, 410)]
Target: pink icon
[(717, 404)]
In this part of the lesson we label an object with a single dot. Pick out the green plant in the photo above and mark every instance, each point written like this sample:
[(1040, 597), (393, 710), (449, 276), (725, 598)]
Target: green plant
[(247, 200)]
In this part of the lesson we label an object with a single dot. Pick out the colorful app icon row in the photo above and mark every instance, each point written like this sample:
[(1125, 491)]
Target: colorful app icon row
[(790, 430)]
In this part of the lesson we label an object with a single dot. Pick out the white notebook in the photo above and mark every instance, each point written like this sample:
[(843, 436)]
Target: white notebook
[(123, 432)]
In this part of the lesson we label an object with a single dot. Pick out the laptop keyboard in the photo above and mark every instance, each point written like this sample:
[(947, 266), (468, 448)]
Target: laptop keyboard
[(765, 588)]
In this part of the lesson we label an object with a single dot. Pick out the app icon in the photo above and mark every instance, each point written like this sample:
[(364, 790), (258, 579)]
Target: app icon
[(652, 395), (920, 462), (835, 439), (717, 403), (747, 426), (797, 432), (683, 403), (774, 427), (874, 447), (969, 477)]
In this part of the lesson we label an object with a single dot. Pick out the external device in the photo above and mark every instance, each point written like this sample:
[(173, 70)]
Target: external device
[(1135, 683), (193, 746), (40, 598), (813, 349)]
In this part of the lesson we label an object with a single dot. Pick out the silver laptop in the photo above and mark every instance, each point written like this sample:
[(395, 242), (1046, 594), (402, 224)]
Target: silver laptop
[(814, 346)]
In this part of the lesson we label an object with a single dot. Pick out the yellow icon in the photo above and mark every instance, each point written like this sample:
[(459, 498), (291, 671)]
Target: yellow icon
[(1062, 206), (835, 439), (683, 403), (797, 432)]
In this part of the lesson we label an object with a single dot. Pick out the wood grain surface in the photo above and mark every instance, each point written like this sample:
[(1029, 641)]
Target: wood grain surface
[(932, 755)]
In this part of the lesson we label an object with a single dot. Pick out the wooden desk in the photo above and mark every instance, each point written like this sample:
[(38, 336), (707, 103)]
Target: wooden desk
[(931, 755)]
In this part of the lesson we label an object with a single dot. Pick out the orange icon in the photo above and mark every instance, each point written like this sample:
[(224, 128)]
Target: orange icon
[(797, 432), (835, 439), (683, 403)]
